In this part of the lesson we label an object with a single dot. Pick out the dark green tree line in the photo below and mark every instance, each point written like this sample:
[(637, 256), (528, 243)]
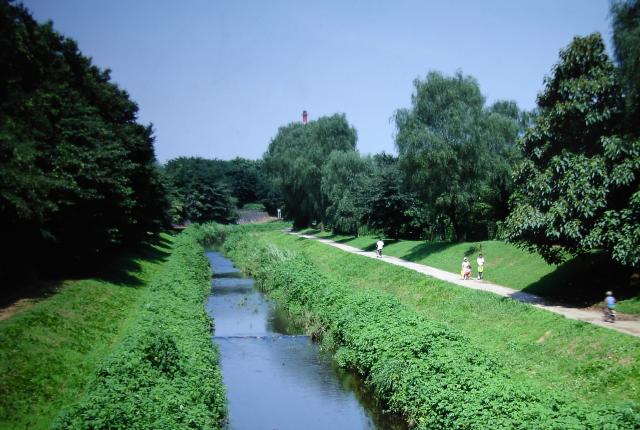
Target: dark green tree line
[(199, 190), (346, 180), (211, 189), (77, 171)]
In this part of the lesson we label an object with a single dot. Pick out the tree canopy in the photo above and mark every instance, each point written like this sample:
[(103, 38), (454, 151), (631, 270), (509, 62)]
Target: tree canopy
[(200, 191), (577, 187), (295, 159), (457, 154), (77, 171)]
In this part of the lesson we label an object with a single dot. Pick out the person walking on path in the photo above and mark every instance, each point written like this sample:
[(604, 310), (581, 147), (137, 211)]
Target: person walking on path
[(480, 261), (609, 307), (379, 246)]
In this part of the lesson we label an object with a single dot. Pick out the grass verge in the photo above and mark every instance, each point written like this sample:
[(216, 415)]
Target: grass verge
[(164, 374), (598, 365), (580, 281), (50, 350), (436, 375)]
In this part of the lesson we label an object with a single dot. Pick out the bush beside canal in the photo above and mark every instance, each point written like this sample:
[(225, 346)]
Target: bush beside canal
[(165, 374), (429, 372)]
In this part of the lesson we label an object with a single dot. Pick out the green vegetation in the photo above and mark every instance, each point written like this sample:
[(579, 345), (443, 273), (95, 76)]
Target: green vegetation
[(198, 191), (254, 207), (49, 351), (295, 159), (630, 306), (626, 44), (577, 189), (164, 373), (447, 357), (596, 364), (457, 155), (580, 281), (77, 171), (202, 190)]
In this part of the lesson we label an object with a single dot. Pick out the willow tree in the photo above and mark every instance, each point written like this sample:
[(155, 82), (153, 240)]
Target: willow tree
[(456, 153), (295, 160), (346, 177)]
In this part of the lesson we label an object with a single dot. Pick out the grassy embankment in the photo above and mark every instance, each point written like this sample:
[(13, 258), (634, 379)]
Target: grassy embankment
[(447, 357), (580, 281), (130, 349), (48, 351), (597, 365)]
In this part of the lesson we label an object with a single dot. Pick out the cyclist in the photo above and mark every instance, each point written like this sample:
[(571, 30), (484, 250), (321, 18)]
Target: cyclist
[(609, 307)]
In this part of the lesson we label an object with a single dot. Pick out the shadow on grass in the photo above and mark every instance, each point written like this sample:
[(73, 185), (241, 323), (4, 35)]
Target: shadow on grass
[(583, 281), (426, 249), (343, 240), (120, 267)]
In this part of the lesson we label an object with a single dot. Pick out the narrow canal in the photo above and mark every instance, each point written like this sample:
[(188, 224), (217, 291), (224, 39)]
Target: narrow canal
[(276, 377)]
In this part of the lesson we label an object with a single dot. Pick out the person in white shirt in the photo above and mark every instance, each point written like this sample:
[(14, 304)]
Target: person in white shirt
[(379, 245), (480, 261)]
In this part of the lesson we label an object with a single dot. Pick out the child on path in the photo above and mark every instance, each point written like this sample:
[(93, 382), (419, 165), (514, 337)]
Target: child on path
[(466, 269), (480, 261), (609, 307), (379, 245)]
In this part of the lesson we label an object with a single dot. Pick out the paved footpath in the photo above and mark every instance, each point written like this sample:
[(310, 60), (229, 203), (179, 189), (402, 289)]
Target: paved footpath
[(628, 325)]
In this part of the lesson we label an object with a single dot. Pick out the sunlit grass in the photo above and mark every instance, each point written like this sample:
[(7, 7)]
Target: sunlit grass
[(580, 281), (596, 364), (48, 352)]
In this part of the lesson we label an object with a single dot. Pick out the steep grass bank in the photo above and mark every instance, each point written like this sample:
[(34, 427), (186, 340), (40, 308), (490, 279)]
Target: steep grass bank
[(433, 374), (48, 352), (164, 374), (581, 281), (596, 364)]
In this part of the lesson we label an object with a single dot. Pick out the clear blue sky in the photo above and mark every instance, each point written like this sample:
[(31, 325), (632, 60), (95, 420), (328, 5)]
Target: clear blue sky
[(217, 78)]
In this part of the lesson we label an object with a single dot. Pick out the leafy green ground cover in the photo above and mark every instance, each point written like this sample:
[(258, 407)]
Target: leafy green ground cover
[(403, 332), (595, 364), (164, 374), (48, 352), (581, 281)]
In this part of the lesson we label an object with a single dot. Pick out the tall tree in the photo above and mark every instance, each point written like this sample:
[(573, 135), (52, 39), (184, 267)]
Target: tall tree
[(345, 176), (577, 188), (388, 206), (456, 153), (626, 43), (201, 190), (295, 160), (243, 177)]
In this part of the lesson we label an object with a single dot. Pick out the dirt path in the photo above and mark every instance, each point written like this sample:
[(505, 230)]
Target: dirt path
[(627, 325)]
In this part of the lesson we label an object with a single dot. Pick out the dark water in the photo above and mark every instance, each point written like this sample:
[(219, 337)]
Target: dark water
[(277, 378)]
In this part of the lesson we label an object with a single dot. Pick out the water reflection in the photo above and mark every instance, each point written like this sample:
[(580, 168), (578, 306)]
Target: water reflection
[(276, 378)]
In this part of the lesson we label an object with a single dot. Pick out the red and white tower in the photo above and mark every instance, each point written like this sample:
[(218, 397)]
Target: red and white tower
[(304, 116)]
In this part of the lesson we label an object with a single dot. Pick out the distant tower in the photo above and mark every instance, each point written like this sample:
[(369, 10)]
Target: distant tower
[(304, 116)]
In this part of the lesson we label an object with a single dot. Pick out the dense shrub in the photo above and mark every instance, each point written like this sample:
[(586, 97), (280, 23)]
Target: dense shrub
[(210, 233), (426, 371), (165, 375)]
